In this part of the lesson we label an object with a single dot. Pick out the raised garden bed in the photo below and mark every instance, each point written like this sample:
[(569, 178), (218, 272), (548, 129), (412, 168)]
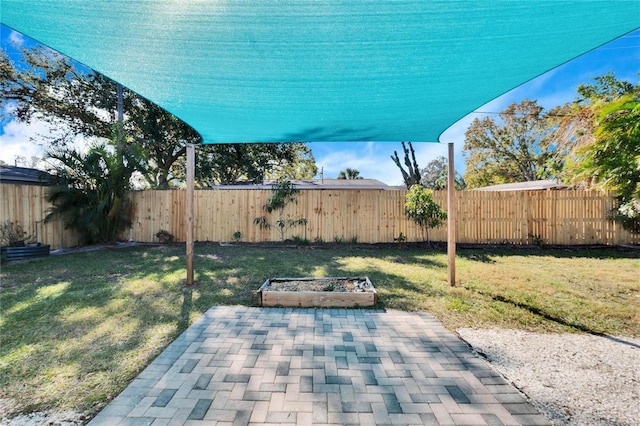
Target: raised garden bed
[(331, 292), (24, 252)]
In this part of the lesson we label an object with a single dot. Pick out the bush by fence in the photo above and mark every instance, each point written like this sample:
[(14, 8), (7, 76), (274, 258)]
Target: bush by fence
[(367, 216)]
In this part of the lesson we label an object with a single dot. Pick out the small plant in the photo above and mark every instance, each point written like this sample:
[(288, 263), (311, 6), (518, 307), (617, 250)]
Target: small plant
[(343, 240), (536, 239), (283, 192), (330, 287), (12, 234), (401, 239), (165, 236), (237, 236), (301, 241)]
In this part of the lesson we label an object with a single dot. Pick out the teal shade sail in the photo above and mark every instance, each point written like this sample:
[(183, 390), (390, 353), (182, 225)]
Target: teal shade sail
[(303, 70)]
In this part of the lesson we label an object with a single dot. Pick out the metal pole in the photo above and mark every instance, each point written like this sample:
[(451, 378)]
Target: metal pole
[(191, 162), (451, 218)]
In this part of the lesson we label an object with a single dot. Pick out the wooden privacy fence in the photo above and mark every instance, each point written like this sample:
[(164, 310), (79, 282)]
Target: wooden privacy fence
[(566, 217), (373, 216), (27, 205), (367, 216)]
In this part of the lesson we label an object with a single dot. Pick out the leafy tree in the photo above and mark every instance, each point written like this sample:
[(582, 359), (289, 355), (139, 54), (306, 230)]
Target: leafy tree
[(91, 191), (434, 175), (294, 161), (612, 161), (45, 85), (605, 87), (349, 173), (516, 147), (162, 139), (228, 164), (600, 133), (420, 207), (574, 124), (411, 176), (571, 126), (283, 192), (22, 161)]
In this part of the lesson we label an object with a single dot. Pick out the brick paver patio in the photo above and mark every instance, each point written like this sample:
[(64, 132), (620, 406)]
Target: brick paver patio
[(279, 366)]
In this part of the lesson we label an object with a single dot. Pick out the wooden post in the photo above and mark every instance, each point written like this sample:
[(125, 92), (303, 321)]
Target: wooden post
[(451, 218), (120, 108), (191, 165)]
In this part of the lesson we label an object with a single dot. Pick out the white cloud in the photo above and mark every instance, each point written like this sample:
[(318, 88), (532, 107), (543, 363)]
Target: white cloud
[(371, 159), (427, 152), (16, 140), (19, 139), (343, 155), (16, 38)]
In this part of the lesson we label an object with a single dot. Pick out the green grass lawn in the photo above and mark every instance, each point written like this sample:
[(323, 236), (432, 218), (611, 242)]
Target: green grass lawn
[(77, 328)]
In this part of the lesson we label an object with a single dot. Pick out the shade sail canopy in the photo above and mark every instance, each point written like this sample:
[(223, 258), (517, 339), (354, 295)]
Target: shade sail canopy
[(293, 70)]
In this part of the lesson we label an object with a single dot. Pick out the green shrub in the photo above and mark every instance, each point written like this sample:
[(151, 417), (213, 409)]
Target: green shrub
[(420, 207)]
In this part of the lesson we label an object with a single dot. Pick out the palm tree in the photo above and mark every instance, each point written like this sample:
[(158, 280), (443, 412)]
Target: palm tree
[(91, 194), (349, 174)]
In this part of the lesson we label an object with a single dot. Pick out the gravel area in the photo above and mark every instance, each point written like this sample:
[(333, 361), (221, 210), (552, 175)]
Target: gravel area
[(573, 379), (47, 418)]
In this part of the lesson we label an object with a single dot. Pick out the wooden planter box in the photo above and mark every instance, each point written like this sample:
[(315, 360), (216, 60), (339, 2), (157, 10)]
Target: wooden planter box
[(24, 252), (323, 298)]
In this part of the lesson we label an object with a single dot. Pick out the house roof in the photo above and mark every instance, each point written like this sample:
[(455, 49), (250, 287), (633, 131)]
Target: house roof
[(535, 185), (302, 71), (23, 176)]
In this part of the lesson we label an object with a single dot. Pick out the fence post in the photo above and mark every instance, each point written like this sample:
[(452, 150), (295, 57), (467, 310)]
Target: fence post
[(191, 161), (451, 219)]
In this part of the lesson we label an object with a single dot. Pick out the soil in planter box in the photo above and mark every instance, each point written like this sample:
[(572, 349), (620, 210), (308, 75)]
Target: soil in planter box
[(334, 285)]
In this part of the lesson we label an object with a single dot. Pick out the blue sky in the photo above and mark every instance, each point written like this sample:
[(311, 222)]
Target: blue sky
[(372, 159)]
